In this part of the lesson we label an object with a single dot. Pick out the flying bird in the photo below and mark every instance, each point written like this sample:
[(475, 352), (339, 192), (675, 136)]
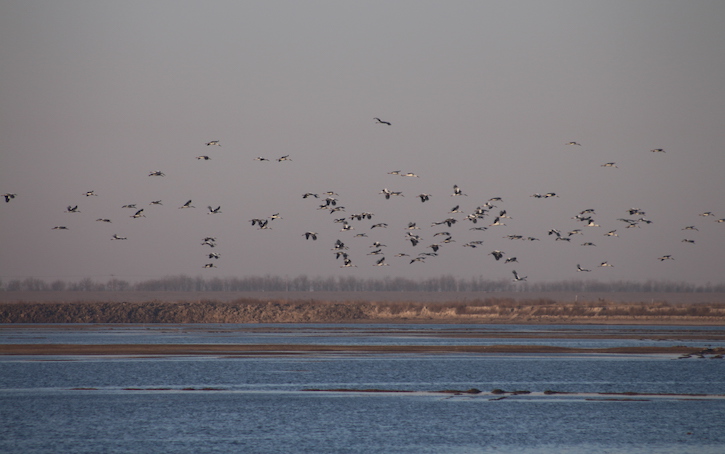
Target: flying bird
[(216, 210), (205, 158), (497, 254), (573, 143), (309, 235), (457, 191), (518, 278), (116, 237), (8, 196), (187, 205), (157, 173), (213, 142), (381, 122)]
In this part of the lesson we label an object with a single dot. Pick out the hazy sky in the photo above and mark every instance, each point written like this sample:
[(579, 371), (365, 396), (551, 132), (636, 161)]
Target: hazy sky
[(95, 95)]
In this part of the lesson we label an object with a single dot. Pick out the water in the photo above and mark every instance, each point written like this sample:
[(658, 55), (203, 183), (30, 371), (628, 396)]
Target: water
[(209, 404)]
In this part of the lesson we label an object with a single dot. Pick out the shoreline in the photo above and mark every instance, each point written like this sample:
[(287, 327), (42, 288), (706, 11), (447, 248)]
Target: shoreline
[(231, 350)]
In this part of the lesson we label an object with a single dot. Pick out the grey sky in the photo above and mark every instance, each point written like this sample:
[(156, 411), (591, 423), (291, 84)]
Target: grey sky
[(485, 95)]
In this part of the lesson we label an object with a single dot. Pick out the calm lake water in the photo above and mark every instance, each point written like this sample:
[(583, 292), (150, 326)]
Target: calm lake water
[(263, 404)]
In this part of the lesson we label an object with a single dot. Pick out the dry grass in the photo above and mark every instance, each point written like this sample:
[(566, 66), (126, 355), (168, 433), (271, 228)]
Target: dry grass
[(246, 310)]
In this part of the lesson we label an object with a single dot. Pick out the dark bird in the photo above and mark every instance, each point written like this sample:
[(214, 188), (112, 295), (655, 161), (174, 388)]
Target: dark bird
[(379, 121), (8, 196)]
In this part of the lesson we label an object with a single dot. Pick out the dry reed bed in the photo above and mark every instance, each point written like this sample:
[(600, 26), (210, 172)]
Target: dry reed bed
[(489, 310)]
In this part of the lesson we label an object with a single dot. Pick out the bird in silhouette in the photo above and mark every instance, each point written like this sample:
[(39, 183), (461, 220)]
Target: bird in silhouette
[(381, 122)]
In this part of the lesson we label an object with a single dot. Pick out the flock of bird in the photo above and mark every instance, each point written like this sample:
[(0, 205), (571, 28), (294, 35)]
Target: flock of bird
[(355, 225)]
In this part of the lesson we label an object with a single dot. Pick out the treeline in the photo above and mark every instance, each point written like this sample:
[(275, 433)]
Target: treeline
[(303, 283), (245, 310)]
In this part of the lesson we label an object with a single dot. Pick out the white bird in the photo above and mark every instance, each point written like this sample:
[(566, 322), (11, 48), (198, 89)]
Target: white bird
[(284, 158), (395, 172), (116, 237), (579, 268), (203, 157), (103, 220), (666, 257), (573, 143), (138, 214), (518, 278), (379, 121), (707, 213), (216, 210), (690, 227), (214, 255), (187, 205), (605, 264), (210, 265), (381, 262), (611, 233), (410, 174), (213, 142), (90, 193)]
